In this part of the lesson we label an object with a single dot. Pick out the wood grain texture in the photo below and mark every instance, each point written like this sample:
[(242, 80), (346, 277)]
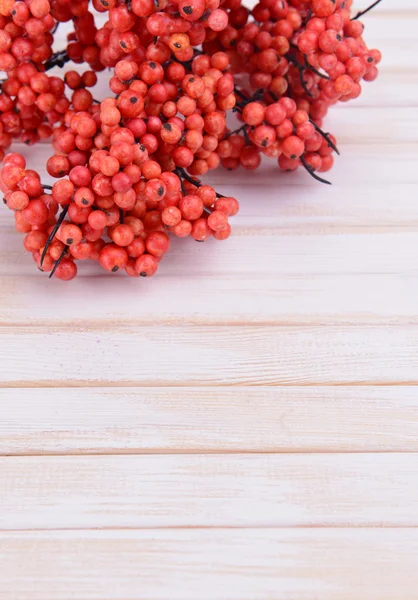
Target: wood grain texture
[(202, 355), (208, 420), (267, 564), (265, 490), (287, 299)]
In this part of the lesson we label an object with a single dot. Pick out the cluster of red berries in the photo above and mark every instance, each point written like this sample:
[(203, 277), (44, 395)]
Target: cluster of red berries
[(302, 56), (128, 167)]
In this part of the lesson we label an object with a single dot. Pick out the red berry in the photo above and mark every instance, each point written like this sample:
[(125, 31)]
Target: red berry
[(146, 265), (66, 270), (113, 258)]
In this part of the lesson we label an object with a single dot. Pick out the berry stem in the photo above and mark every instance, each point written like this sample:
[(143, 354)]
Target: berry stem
[(311, 68), (247, 99), (184, 175), (53, 232), (311, 172), (363, 12), (240, 94), (242, 129), (57, 60), (300, 69), (326, 137), (57, 262)]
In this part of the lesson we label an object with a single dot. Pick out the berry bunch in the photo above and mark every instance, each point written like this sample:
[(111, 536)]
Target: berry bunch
[(128, 167), (302, 57)]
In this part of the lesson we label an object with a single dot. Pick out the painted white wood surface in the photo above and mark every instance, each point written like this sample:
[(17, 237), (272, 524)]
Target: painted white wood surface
[(208, 420), (146, 355), (201, 490), (243, 426), (232, 564)]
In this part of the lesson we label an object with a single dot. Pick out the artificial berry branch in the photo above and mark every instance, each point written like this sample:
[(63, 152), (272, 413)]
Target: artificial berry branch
[(129, 168)]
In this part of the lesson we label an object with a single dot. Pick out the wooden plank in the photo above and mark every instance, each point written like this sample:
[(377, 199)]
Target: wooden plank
[(202, 490), (73, 355), (323, 299), (164, 420), (391, 89), (365, 564), (265, 256), (366, 126), (305, 279)]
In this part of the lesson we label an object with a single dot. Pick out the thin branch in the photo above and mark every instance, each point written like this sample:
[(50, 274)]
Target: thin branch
[(326, 137), (240, 94), (57, 60), (300, 69), (363, 12), (182, 174), (237, 131), (53, 233), (57, 262), (309, 66), (311, 172), (258, 95)]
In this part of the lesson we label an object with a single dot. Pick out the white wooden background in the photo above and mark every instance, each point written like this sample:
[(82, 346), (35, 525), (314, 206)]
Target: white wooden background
[(244, 426)]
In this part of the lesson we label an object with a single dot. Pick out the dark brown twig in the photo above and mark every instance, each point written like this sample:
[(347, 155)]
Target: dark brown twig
[(363, 12), (182, 174), (53, 233), (300, 69), (57, 262), (57, 60), (312, 173), (326, 137), (236, 131), (309, 66)]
